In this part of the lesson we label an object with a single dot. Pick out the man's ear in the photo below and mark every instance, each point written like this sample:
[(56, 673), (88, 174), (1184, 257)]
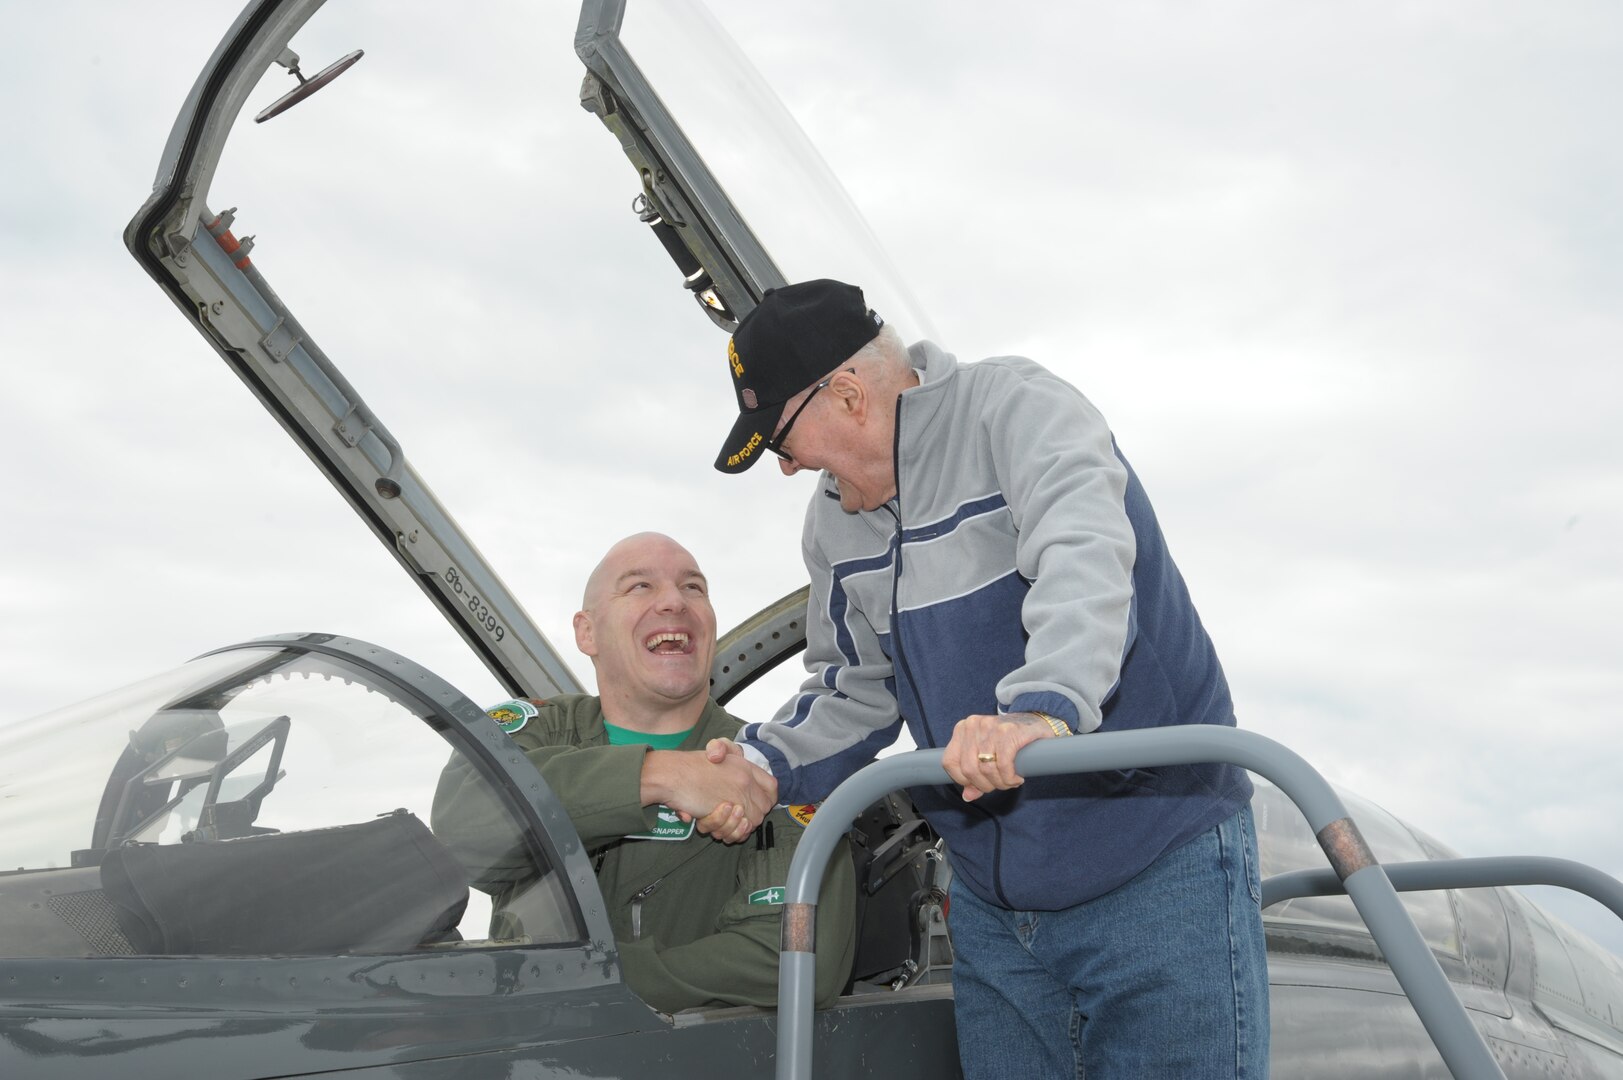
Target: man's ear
[(851, 393), (585, 636)]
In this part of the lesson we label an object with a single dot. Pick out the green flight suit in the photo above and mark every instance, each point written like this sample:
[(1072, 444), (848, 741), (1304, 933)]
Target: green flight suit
[(681, 910)]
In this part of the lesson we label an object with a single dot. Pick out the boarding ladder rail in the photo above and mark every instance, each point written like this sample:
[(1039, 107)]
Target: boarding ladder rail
[(1353, 866), (1479, 873)]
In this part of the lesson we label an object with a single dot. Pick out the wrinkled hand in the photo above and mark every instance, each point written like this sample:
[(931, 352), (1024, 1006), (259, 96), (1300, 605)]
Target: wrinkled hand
[(728, 798), (1000, 736)]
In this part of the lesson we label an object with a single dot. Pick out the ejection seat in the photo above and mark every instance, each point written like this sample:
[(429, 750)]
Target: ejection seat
[(902, 878)]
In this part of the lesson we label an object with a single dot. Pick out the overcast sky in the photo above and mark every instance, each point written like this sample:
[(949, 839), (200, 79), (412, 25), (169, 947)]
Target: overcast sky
[(1344, 279)]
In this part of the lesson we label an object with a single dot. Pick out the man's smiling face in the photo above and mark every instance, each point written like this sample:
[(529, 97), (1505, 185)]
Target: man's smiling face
[(647, 624), (840, 432)]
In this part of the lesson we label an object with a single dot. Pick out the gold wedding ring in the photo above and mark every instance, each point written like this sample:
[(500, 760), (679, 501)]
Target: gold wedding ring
[(988, 758)]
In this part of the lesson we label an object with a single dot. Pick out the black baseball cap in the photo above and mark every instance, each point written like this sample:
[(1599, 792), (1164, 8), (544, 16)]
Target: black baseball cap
[(792, 338)]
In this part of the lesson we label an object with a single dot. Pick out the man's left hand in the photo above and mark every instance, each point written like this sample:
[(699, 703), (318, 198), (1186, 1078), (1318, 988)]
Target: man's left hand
[(980, 756)]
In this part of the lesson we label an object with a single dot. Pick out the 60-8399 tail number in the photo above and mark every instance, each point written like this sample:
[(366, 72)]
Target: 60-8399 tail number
[(480, 610)]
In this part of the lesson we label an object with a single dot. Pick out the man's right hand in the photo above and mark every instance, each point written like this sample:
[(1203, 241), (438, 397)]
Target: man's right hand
[(729, 797)]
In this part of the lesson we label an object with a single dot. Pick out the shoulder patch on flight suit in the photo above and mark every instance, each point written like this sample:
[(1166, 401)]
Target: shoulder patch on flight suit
[(802, 813), (775, 895), (513, 715)]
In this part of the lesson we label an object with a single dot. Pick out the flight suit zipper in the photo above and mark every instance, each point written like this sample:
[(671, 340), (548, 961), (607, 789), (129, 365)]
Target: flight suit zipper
[(637, 898), (636, 907)]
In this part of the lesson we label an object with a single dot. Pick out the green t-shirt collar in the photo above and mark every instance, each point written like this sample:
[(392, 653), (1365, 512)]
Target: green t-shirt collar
[(621, 736)]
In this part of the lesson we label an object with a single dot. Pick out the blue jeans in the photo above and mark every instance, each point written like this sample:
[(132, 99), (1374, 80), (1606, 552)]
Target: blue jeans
[(1164, 976)]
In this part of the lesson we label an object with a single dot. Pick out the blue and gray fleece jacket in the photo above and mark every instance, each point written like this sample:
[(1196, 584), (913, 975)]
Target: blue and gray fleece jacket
[(1019, 568)]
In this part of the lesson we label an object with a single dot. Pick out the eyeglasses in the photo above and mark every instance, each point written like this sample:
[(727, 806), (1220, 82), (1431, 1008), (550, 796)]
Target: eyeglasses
[(775, 443)]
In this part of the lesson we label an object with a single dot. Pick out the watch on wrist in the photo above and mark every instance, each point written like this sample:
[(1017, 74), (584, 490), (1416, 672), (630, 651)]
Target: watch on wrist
[(1061, 728)]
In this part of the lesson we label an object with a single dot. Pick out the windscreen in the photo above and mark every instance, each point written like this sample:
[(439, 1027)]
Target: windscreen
[(1286, 843)]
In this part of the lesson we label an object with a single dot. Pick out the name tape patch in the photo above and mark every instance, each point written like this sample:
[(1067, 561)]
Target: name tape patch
[(669, 826)]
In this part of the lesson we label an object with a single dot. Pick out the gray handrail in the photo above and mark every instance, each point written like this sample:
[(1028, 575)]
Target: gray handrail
[(1483, 873), (1416, 969)]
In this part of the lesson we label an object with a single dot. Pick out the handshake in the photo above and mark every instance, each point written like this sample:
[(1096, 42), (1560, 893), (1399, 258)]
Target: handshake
[(718, 788)]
